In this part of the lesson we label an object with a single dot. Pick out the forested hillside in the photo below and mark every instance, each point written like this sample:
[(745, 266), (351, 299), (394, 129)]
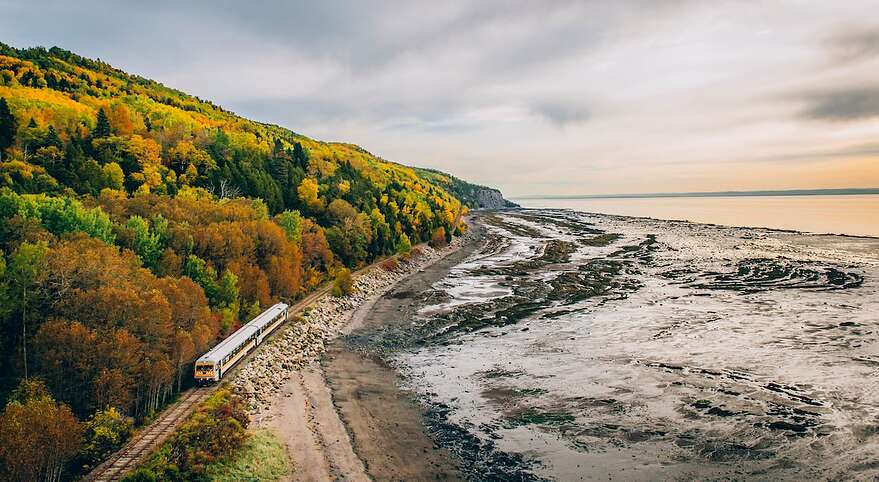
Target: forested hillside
[(139, 225), (472, 195)]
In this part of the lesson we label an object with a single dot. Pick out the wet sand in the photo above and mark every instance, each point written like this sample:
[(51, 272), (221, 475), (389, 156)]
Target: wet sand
[(598, 347), (346, 418), (569, 346), (385, 423)]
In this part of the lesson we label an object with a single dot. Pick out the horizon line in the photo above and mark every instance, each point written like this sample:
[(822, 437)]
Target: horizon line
[(764, 192)]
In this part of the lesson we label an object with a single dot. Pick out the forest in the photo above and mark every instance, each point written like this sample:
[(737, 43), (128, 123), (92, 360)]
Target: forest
[(139, 225)]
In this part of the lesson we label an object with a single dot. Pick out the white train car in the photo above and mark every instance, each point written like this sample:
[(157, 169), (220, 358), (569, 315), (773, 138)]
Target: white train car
[(214, 364)]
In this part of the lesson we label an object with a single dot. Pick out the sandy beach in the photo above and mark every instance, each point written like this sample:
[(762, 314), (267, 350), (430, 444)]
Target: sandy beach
[(343, 417)]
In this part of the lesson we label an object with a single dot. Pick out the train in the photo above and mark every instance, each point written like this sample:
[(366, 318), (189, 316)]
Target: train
[(211, 366)]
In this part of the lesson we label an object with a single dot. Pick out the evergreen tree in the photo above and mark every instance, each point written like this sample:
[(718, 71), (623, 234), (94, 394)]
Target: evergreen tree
[(52, 138), (8, 126), (102, 126), (300, 157), (278, 150)]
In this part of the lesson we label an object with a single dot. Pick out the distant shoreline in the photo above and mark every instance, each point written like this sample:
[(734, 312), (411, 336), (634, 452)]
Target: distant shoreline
[(788, 192)]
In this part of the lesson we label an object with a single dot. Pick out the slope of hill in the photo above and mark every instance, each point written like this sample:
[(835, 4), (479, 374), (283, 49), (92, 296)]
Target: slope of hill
[(139, 224), (472, 195)]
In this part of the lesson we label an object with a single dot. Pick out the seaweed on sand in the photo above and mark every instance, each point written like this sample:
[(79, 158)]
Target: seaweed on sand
[(761, 274), (481, 458), (533, 416)]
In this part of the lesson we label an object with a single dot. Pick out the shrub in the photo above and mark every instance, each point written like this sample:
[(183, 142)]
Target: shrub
[(141, 475), (416, 251), (105, 432), (216, 430), (404, 245), (390, 265), (438, 238), (343, 284)]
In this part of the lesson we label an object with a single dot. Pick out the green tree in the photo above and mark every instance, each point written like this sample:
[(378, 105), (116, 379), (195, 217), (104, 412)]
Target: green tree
[(253, 311), (102, 125), (404, 245), (6, 303), (146, 244), (58, 215), (27, 268), (227, 292), (199, 271), (52, 139), (105, 431), (114, 178), (291, 223), (8, 127), (300, 156)]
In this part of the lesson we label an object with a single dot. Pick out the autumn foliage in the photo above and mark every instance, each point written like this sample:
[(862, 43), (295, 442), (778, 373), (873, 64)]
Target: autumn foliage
[(215, 431), (140, 225), (343, 284), (438, 239), (39, 435)]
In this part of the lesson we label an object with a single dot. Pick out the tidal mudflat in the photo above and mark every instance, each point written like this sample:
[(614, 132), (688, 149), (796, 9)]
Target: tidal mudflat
[(574, 346)]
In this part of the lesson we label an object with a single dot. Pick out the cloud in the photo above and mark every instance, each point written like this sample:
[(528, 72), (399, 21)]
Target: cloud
[(859, 150), (521, 94), (856, 45), (562, 113), (843, 105)]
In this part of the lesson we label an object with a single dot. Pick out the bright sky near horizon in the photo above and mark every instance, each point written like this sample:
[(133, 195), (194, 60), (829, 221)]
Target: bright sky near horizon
[(534, 97)]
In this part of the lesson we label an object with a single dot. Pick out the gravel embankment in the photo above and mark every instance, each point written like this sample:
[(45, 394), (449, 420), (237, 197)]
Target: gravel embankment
[(304, 338)]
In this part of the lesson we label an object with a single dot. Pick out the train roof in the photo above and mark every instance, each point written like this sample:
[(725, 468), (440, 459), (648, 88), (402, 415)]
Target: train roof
[(241, 335)]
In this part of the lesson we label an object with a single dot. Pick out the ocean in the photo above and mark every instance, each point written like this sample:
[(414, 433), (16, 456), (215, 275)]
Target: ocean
[(835, 214)]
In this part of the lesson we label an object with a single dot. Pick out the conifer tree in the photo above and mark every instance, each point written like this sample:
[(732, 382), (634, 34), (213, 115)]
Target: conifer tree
[(8, 126), (300, 157), (52, 138), (102, 126)]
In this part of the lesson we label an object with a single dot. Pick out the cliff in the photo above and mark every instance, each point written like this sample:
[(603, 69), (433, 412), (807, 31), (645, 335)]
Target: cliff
[(472, 195)]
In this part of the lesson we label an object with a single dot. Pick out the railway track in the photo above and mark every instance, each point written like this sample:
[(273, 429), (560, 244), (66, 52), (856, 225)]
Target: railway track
[(150, 437), (146, 440)]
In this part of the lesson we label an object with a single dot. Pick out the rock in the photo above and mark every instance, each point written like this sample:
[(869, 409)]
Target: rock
[(303, 342)]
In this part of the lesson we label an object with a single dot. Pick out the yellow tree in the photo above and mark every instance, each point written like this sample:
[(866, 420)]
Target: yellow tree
[(308, 195), (37, 435)]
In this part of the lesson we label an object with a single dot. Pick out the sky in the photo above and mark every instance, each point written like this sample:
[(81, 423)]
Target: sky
[(534, 97)]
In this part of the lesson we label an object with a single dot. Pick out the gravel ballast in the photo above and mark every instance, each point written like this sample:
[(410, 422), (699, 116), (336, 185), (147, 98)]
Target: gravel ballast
[(303, 339)]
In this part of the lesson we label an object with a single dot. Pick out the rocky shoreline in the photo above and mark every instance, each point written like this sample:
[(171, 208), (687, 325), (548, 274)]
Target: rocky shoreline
[(303, 340)]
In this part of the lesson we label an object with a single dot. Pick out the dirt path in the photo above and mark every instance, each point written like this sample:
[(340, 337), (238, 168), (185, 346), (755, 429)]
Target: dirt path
[(345, 419)]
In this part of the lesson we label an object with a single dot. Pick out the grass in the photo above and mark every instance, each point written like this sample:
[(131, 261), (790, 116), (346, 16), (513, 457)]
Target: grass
[(262, 458)]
